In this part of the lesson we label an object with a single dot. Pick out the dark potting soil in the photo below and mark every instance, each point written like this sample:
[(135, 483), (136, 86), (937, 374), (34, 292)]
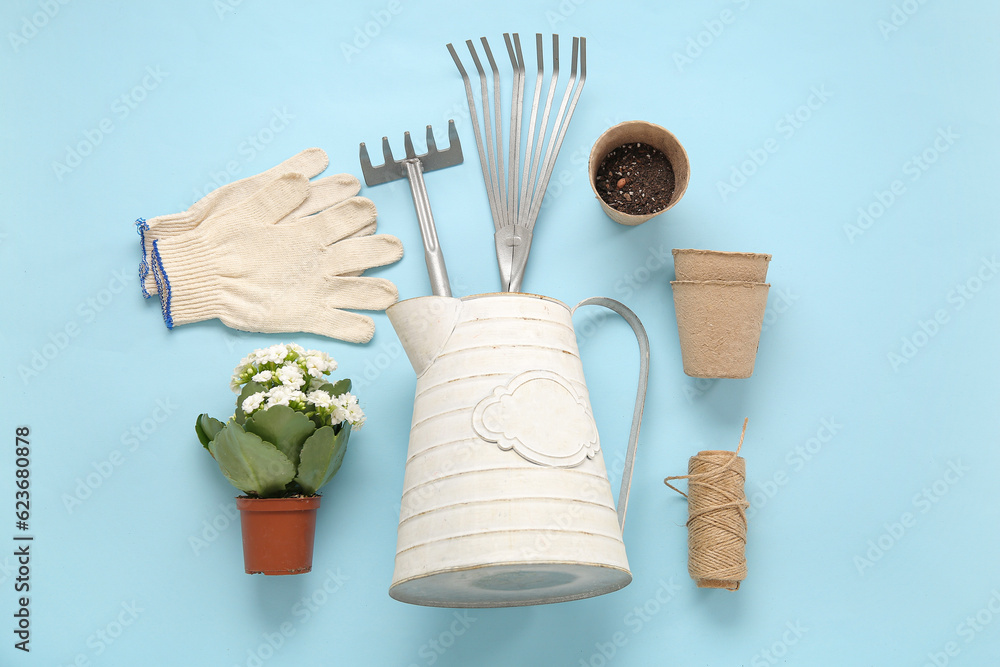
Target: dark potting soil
[(636, 179)]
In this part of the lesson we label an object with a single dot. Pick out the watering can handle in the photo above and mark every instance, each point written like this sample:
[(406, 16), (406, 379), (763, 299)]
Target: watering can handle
[(640, 396)]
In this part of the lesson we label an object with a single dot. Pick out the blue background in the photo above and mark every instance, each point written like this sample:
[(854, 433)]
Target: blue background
[(832, 578)]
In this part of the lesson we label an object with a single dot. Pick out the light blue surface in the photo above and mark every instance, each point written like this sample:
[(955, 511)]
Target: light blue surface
[(838, 307)]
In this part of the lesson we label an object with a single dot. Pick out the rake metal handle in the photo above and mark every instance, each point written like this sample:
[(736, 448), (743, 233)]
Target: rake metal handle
[(433, 256)]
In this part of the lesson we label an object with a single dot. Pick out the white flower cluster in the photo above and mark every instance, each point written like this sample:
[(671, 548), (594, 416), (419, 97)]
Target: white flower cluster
[(263, 365), (290, 375), (342, 408)]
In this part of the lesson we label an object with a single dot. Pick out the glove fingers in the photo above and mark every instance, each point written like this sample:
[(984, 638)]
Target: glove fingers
[(358, 254), (324, 193), (367, 230), (340, 324), (360, 293), (310, 162), (364, 231), (327, 192), (273, 201), (343, 220)]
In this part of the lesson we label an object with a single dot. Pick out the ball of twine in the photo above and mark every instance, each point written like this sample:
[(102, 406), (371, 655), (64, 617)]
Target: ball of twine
[(717, 519)]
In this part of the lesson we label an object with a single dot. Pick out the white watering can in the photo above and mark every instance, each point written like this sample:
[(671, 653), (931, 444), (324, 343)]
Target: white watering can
[(506, 500)]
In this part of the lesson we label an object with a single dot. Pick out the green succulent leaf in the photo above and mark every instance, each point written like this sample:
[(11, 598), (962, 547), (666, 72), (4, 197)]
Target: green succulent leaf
[(207, 428), (248, 389), (341, 387), (283, 427), (321, 457), (249, 463)]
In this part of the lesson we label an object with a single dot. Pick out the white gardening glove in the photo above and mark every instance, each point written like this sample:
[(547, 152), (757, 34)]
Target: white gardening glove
[(264, 266), (312, 161)]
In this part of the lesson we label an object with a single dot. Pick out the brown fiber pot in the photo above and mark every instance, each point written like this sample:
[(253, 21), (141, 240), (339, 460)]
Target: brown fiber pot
[(278, 534), (691, 264), (640, 131), (719, 324)]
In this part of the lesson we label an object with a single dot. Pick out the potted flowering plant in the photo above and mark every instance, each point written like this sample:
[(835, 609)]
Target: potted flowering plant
[(286, 440)]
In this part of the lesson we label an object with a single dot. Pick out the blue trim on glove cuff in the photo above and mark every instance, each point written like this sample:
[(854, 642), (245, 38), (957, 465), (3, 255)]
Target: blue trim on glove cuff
[(142, 227), (162, 285)]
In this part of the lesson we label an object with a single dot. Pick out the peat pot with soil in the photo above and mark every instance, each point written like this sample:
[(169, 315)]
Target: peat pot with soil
[(638, 170)]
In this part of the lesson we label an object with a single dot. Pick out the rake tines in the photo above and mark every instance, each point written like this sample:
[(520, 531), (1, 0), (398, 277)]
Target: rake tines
[(412, 168), (515, 204)]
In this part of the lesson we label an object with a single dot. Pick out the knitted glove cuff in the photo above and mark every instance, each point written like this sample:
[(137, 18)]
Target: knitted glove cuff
[(163, 226), (183, 271)]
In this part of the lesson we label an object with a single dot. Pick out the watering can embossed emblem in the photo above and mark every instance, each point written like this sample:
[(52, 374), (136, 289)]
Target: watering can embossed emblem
[(506, 499)]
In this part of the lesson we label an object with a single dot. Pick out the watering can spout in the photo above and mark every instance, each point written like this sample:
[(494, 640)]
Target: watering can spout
[(424, 325)]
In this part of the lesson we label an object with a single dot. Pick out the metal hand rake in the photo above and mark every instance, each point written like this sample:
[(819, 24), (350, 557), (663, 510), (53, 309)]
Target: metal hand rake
[(516, 203)]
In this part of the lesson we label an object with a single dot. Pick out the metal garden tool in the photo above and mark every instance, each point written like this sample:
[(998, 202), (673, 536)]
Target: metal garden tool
[(412, 168), (515, 203)]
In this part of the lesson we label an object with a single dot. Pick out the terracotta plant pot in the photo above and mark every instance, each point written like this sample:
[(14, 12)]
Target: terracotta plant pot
[(690, 264), (640, 131), (719, 323), (278, 534)]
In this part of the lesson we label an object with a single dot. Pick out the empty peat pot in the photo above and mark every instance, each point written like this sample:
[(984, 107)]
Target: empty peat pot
[(691, 264), (719, 324), (641, 132), (278, 534)]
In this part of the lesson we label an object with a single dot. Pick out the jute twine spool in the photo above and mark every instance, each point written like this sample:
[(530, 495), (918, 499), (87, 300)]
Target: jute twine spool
[(717, 519)]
